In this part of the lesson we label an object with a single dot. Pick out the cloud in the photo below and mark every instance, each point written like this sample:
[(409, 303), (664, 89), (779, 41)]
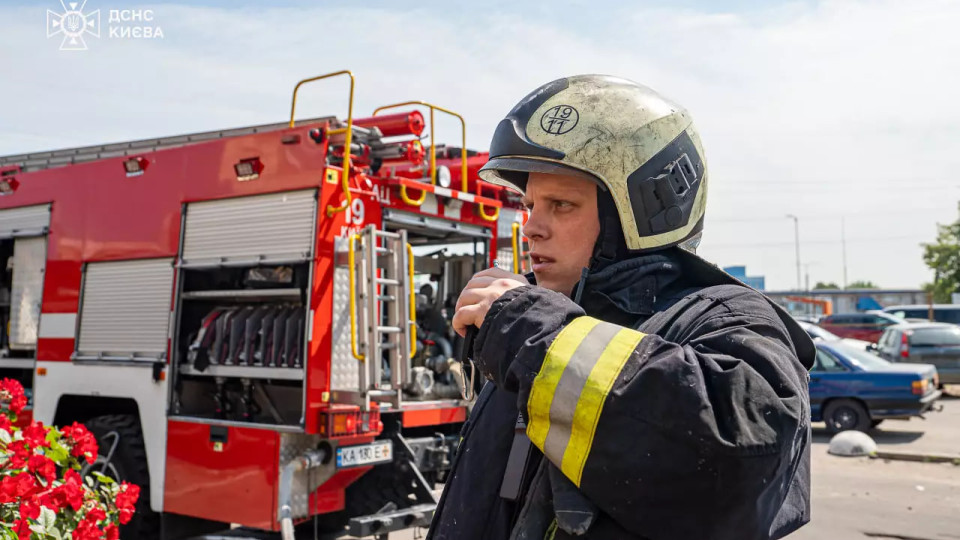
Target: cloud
[(817, 109)]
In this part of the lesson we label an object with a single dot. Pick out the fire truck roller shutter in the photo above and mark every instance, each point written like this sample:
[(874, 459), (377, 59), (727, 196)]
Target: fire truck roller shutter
[(125, 308), (29, 262), (25, 221), (26, 228), (273, 227)]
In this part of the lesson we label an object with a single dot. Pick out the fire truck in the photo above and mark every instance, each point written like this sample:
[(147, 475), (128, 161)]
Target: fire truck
[(255, 322)]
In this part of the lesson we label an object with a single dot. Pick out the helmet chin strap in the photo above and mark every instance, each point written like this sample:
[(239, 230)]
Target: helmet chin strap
[(610, 246)]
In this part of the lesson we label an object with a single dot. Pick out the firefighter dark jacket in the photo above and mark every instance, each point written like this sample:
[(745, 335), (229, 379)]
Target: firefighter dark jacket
[(670, 403)]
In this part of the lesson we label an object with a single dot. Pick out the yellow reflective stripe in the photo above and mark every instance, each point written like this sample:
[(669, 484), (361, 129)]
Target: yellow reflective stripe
[(592, 398), (545, 384)]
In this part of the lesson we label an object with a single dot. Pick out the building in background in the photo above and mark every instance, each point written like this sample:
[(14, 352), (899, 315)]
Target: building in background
[(845, 300), (740, 272)]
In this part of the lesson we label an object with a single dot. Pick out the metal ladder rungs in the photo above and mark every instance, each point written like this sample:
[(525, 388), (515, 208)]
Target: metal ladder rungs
[(383, 251), (386, 298), (388, 346), (386, 234), (389, 330), (391, 282), (381, 393)]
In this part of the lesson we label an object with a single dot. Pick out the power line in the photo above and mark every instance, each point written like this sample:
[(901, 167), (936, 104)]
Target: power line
[(830, 182), (819, 242), (871, 213), (832, 188)]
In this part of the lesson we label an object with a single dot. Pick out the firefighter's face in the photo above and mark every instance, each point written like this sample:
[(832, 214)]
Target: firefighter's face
[(563, 227)]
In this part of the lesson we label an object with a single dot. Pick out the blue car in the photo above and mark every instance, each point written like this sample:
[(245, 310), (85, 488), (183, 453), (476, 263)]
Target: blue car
[(850, 388)]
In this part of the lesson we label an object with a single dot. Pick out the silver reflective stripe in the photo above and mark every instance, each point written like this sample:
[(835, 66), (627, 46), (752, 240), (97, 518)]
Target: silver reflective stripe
[(126, 308), (571, 385), (277, 226)]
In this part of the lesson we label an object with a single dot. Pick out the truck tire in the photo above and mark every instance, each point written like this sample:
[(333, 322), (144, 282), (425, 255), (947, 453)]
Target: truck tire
[(846, 414), (129, 463)]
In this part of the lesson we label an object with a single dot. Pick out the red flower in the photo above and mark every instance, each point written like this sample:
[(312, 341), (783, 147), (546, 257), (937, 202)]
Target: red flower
[(8, 490), (5, 422), (72, 489), (12, 391), (96, 514), (43, 466), (87, 530), (19, 455), (36, 435), (113, 532), (127, 501), (22, 528), (13, 488), (54, 500), (83, 442), (29, 509)]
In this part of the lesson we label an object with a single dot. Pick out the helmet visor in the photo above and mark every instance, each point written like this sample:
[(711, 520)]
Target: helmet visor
[(513, 172)]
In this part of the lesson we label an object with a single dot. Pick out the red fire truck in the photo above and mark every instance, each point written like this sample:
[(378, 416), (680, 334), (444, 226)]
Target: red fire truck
[(255, 322)]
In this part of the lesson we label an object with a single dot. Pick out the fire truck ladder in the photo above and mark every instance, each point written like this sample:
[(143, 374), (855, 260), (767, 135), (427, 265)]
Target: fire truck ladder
[(382, 315), (521, 250)]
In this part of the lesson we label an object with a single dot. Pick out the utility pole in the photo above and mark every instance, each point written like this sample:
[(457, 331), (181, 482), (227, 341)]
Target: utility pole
[(843, 242), (796, 237), (806, 274)]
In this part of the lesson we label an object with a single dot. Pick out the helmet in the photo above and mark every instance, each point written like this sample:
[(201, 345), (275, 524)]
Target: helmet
[(641, 149)]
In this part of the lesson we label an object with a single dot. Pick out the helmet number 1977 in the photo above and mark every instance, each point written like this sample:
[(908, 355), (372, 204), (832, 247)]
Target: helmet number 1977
[(560, 119)]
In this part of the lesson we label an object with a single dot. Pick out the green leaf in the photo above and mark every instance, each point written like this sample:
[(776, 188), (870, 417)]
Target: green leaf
[(58, 453), (47, 517), (104, 479)]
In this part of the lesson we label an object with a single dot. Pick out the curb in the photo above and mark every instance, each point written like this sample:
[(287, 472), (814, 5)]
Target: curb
[(917, 457)]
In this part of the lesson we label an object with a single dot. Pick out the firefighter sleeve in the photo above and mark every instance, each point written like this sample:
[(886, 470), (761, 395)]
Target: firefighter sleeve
[(699, 440)]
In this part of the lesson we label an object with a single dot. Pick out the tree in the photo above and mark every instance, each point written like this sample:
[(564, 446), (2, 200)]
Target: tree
[(943, 257), (863, 285), (822, 285)]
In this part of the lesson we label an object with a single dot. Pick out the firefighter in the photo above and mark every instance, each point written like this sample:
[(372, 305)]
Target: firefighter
[(635, 390)]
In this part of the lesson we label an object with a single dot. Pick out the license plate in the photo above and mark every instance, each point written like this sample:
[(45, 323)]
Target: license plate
[(365, 454)]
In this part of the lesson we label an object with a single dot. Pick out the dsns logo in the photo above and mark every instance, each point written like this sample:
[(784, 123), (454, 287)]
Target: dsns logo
[(73, 23)]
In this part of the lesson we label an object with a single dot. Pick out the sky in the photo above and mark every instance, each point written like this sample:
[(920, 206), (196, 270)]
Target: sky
[(842, 113)]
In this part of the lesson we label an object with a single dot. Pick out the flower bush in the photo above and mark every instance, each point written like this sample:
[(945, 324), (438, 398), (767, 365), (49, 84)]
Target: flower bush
[(42, 495)]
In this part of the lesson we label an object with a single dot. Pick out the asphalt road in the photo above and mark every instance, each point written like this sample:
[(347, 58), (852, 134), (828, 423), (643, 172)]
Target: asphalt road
[(863, 498), (860, 498)]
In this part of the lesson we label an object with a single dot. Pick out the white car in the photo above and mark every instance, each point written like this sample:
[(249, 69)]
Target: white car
[(817, 333)]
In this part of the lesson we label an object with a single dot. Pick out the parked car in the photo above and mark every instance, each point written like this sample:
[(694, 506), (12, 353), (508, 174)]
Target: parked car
[(819, 333), (867, 326), (851, 388), (929, 342), (947, 313)]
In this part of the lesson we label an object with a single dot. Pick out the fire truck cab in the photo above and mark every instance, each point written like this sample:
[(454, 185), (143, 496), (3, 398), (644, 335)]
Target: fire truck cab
[(255, 322)]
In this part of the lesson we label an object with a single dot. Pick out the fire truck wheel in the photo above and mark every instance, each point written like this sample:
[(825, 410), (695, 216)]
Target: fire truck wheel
[(128, 463)]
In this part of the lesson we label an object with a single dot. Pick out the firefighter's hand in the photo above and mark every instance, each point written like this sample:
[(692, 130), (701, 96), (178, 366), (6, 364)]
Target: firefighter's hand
[(480, 293)]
